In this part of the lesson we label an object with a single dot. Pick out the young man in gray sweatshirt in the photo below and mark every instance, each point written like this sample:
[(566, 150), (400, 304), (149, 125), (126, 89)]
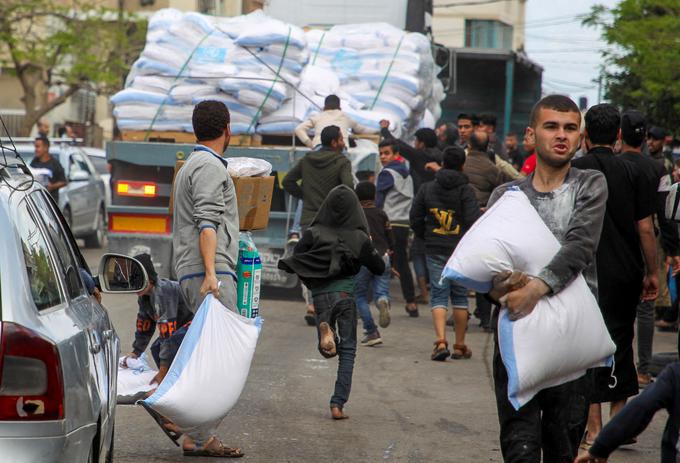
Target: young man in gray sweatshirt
[(205, 237), (572, 204)]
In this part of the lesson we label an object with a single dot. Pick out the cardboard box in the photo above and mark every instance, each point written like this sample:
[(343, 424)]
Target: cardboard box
[(253, 196)]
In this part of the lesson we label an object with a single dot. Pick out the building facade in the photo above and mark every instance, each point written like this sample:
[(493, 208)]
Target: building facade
[(488, 72)]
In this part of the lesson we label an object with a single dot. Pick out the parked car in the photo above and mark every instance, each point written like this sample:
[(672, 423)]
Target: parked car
[(58, 349), (83, 199), (98, 159)]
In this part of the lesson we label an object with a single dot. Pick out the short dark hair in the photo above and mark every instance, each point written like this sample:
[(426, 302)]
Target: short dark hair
[(364, 175), (427, 136), (603, 122), (147, 263), (633, 128), (365, 191), (560, 103), (470, 117), (453, 158), (479, 141), (488, 119), (451, 133), (511, 134), (391, 143), (45, 140), (209, 119), (331, 102), (330, 133)]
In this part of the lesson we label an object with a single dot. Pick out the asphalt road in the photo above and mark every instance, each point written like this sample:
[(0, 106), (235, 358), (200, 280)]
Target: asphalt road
[(403, 407)]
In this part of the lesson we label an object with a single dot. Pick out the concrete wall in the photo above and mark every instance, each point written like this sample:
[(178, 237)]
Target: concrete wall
[(448, 23)]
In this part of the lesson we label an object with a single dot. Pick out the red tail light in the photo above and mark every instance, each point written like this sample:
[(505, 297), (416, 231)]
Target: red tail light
[(140, 189), (31, 382)]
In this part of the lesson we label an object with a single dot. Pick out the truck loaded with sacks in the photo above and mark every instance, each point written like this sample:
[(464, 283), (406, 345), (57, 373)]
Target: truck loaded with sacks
[(272, 75)]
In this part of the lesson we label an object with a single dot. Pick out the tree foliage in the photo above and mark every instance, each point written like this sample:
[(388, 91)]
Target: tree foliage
[(642, 67), (53, 44)]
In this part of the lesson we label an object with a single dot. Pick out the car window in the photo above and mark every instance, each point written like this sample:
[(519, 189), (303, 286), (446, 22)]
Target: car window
[(42, 274), (100, 164), (69, 267), (78, 163)]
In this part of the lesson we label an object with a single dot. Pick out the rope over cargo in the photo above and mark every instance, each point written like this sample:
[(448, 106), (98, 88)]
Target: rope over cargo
[(179, 74)]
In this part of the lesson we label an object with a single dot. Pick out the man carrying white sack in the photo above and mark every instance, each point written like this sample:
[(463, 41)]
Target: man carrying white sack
[(205, 240), (572, 204)]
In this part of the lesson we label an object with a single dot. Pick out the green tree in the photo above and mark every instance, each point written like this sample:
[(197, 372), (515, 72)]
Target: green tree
[(642, 64), (69, 44)]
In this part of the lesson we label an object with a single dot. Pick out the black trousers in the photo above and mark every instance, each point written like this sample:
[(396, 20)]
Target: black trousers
[(552, 423), (401, 262)]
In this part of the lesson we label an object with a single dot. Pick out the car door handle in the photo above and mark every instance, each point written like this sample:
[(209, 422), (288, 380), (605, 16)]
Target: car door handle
[(108, 335)]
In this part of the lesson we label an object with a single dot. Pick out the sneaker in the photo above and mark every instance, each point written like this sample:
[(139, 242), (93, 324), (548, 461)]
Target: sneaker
[(372, 339), (384, 310)]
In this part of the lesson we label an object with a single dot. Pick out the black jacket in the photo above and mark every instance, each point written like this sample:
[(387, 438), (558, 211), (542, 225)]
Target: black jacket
[(336, 244), (638, 413), (443, 211)]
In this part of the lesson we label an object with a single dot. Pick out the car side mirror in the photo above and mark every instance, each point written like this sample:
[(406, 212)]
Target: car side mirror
[(121, 274), (79, 176)]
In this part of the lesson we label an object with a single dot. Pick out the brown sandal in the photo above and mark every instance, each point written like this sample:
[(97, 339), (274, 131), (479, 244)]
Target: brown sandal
[(461, 351), (440, 354), (219, 452)]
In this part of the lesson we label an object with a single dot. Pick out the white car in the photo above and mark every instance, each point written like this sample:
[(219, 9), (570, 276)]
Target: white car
[(98, 158), (83, 199)]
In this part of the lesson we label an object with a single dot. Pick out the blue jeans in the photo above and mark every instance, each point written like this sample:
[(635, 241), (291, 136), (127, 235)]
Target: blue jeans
[(440, 292), (295, 227), (339, 311), (381, 290), (418, 258)]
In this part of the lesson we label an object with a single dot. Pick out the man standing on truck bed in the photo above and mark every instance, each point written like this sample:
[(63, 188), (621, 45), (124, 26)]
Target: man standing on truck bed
[(319, 172), (205, 240), (331, 115)]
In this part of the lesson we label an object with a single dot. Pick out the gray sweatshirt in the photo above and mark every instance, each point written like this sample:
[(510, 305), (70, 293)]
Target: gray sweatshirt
[(204, 197), (574, 213)]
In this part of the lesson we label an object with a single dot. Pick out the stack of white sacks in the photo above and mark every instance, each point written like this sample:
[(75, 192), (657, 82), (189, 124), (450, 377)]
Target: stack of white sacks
[(273, 75)]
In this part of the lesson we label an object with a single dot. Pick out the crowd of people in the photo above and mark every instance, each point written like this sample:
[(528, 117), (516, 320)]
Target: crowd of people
[(598, 182)]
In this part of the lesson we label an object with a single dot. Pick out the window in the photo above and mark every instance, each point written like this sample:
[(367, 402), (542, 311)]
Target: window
[(481, 33), (42, 275), (100, 164), (70, 270), (78, 164)]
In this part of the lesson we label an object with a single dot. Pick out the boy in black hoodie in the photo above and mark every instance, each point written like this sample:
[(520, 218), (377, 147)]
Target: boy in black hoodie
[(442, 212), (381, 235), (330, 252)]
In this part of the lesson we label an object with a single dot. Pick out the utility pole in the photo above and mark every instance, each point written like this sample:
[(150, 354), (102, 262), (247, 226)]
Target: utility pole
[(599, 88)]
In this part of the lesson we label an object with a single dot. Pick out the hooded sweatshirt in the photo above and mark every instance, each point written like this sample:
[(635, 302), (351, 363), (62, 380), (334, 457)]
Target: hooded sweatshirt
[(335, 246), (320, 172), (394, 191), (443, 211)]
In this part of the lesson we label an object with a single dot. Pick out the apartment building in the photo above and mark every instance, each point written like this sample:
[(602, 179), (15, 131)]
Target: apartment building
[(490, 73)]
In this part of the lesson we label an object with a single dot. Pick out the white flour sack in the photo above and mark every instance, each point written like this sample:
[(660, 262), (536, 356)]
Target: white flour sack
[(210, 369), (565, 334)]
